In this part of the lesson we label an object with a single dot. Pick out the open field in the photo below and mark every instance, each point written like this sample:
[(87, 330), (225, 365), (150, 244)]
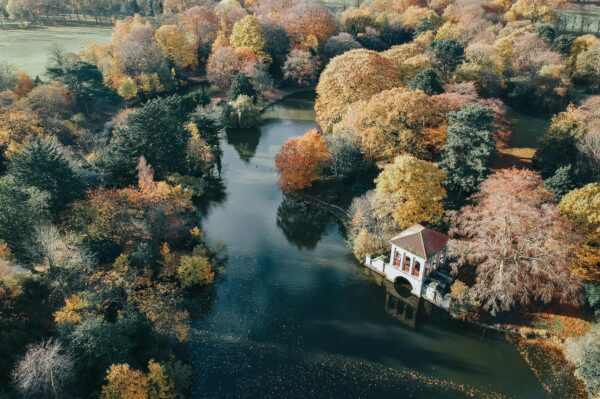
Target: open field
[(527, 130), (28, 49)]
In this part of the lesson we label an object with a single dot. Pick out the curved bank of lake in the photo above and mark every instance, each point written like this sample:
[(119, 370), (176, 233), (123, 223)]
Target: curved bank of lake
[(295, 316)]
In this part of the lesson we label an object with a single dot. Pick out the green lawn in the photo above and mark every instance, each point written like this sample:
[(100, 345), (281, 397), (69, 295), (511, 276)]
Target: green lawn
[(28, 49), (527, 130)]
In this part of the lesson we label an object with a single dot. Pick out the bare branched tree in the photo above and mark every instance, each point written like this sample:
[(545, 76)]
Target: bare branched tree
[(44, 371), (63, 256), (520, 245)]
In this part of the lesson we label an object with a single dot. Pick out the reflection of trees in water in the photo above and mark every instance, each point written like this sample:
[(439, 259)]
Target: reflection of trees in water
[(200, 301), (245, 142), (214, 193), (302, 223)]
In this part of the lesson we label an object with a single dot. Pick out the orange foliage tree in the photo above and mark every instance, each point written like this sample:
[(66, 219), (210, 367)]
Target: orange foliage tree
[(300, 160)]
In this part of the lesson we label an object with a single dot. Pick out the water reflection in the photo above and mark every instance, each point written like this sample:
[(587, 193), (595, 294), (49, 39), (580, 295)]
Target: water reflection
[(302, 223), (245, 142), (399, 303)]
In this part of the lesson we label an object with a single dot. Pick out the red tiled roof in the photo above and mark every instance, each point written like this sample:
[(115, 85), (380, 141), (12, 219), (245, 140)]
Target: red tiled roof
[(420, 241)]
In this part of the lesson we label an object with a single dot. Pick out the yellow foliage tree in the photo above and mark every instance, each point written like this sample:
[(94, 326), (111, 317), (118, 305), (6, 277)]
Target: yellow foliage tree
[(353, 76), (178, 46), (410, 191), (73, 310), (395, 122), (582, 208), (534, 10), (122, 382), (247, 32), (128, 88), (17, 127)]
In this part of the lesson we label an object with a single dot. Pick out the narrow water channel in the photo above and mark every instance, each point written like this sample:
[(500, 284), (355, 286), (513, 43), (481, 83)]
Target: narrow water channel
[(295, 316)]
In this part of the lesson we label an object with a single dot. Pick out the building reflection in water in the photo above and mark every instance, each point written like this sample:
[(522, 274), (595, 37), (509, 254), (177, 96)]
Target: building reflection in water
[(409, 309)]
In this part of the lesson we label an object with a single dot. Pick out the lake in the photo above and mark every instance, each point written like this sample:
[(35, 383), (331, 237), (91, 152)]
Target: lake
[(296, 316), (28, 49)]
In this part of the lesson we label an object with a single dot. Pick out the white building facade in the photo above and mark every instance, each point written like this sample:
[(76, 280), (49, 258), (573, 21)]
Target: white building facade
[(415, 253)]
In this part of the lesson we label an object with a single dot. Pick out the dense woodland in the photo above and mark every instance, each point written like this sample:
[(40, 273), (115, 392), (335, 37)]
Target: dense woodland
[(108, 158)]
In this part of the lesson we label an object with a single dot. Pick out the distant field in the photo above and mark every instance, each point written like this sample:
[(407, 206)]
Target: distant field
[(28, 49), (579, 19)]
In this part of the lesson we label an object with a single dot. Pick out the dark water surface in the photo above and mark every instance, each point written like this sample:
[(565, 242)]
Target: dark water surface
[(295, 316)]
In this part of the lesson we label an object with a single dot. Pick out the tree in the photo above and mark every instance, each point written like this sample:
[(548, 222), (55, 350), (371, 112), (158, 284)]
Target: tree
[(50, 101), (534, 10), (469, 148), (427, 81), (8, 76), (24, 84), (307, 24), (241, 85), (587, 66), (301, 68), (584, 352), (563, 181), (247, 32), (242, 113), (124, 383), (555, 151), (84, 80), (449, 53), (155, 131), (222, 66), (339, 44), (44, 165), (138, 52), (44, 371), (516, 264), (300, 160), (195, 269), (410, 191), (16, 218), (395, 122), (346, 159), (582, 208), (177, 46), (352, 76)]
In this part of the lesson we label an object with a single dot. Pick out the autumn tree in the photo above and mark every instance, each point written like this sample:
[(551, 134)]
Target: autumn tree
[(248, 32), (410, 191), (177, 46), (394, 122), (469, 148), (24, 84), (308, 23), (534, 10), (300, 160), (301, 68), (352, 76), (122, 382), (195, 269), (222, 66), (582, 208), (339, 44), (516, 264)]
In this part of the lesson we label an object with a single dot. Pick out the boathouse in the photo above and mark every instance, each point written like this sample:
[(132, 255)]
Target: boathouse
[(416, 256)]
